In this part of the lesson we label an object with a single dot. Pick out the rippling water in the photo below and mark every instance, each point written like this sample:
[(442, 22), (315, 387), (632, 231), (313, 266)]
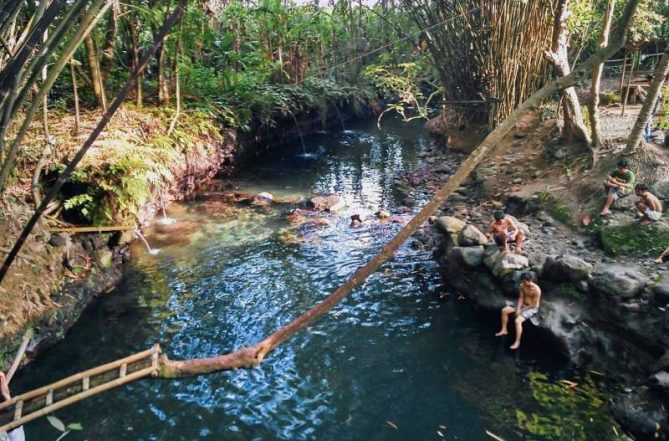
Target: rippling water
[(390, 363)]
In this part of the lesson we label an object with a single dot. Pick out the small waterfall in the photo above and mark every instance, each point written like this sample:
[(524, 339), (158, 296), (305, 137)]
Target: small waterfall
[(165, 220), (341, 119), (299, 131), (152, 251)]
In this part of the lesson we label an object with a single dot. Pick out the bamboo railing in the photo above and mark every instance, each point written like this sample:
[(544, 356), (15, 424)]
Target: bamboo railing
[(37, 403)]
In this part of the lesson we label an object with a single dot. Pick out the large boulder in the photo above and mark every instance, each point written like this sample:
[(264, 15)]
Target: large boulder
[(328, 202), (617, 280), (471, 236), (661, 288), (566, 268), (451, 226), (661, 190), (468, 256), (503, 264)]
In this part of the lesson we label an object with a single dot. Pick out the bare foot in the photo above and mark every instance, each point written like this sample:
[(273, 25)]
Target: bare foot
[(645, 221), (505, 250), (658, 260), (501, 334), (514, 346), (605, 213), (517, 250)]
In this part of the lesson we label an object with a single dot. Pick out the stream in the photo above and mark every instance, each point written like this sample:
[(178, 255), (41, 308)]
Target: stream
[(399, 359)]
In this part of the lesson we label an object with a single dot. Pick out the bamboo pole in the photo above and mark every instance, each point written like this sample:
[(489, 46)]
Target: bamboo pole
[(80, 376), (92, 229), (78, 397), (19, 355), (629, 82)]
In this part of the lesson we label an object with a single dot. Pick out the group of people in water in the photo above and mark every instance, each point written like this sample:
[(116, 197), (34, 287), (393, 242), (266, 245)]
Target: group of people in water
[(620, 183)]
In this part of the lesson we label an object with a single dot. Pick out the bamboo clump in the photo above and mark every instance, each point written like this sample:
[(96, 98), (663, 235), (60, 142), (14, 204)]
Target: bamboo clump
[(494, 50)]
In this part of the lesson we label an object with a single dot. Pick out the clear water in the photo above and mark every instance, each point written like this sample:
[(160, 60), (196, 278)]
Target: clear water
[(392, 362)]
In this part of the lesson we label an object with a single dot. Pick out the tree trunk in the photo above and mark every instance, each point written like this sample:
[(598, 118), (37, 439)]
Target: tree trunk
[(646, 113), (177, 85), (558, 57), (110, 41), (94, 69), (163, 90), (134, 49), (629, 82), (596, 79), (622, 73), (75, 97)]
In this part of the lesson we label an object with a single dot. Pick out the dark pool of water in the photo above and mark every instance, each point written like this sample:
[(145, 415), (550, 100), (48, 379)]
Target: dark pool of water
[(392, 362)]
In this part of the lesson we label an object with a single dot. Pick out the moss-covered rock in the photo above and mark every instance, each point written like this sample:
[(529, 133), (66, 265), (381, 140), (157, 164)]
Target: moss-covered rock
[(634, 238)]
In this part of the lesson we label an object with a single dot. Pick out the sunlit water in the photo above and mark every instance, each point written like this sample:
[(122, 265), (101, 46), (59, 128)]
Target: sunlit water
[(392, 362)]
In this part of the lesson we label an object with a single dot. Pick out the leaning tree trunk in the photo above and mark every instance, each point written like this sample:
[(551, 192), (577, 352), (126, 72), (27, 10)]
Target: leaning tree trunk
[(558, 57), (596, 143), (646, 113)]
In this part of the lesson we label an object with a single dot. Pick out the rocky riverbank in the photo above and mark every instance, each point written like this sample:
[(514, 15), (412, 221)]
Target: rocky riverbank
[(604, 303)]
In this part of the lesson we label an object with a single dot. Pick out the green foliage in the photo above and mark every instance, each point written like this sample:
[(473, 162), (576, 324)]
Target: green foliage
[(403, 84), (566, 411), (612, 97), (114, 190), (548, 110), (554, 206)]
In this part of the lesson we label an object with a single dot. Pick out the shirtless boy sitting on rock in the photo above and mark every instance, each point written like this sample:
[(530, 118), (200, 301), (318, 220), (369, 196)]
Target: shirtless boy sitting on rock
[(504, 230), (529, 297), (648, 204)]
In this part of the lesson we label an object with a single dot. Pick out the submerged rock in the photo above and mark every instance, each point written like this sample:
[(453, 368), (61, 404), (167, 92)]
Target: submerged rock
[(661, 381), (329, 202), (642, 418), (262, 199)]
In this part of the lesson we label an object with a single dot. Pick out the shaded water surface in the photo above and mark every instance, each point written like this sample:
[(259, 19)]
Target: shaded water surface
[(390, 363)]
